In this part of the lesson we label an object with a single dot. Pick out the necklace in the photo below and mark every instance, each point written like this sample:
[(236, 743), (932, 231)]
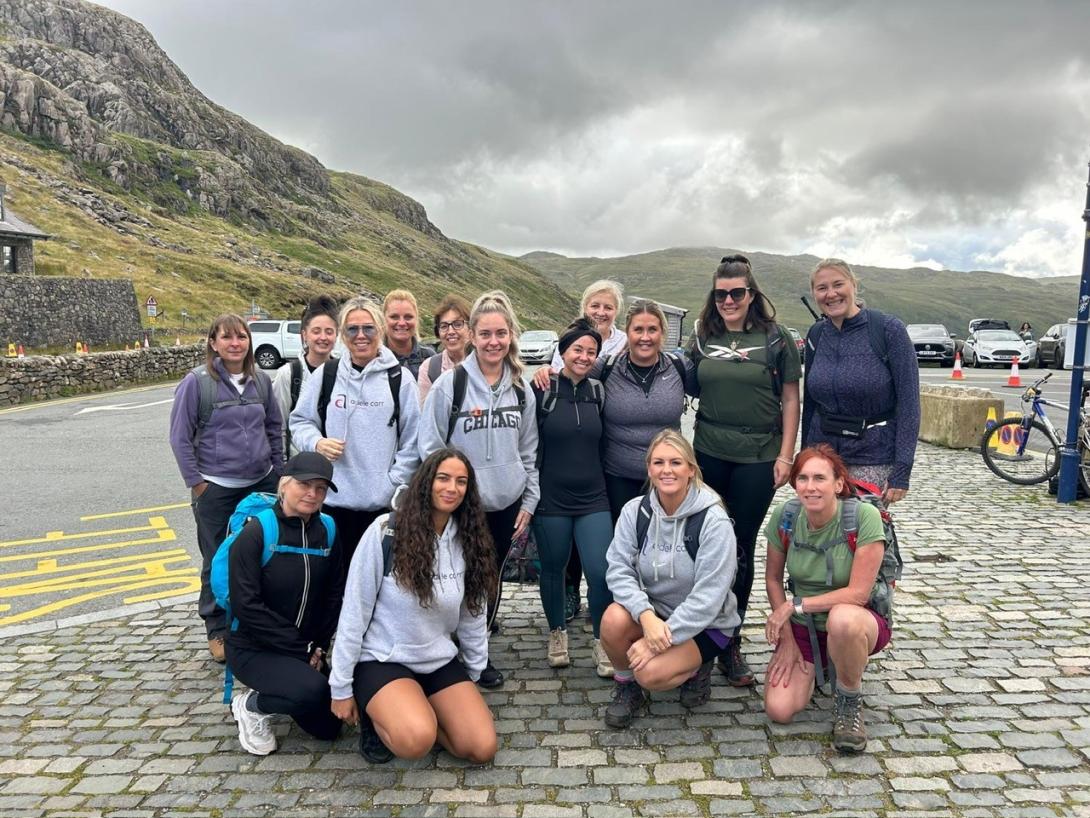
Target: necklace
[(643, 379)]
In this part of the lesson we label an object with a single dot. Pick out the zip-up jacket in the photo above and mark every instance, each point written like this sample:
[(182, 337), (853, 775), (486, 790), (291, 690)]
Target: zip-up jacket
[(292, 602), (500, 442), (281, 385), (242, 441), (570, 445), (690, 596), (382, 622), (374, 462)]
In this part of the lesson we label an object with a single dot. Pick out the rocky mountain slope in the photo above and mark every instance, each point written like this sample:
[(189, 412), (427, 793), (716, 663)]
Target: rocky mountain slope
[(107, 145)]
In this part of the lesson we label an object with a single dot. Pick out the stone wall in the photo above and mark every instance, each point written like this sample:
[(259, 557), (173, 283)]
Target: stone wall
[(44, 311), (39, 377)]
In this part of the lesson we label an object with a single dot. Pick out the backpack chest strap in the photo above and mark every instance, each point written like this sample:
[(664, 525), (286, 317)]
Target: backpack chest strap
[(827, 550)]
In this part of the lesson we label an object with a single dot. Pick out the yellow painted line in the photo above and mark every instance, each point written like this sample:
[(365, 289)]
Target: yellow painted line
[(133, 511), (53, 536), (133, 600), (51, 566), (93, 579), (45, 404), (164, 536), (187, 585)]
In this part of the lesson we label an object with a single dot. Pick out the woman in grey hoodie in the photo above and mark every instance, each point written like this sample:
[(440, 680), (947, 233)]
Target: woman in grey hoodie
[(394, 661), (671, 565)]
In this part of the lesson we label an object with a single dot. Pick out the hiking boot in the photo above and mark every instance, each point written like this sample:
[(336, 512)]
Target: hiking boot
[(696, 690), (603, 665), (628, 700), (734, 665), (215, 648), (558, 648), (371, 746), (849, 733), (254, 733), (571, 603), (490, 677)]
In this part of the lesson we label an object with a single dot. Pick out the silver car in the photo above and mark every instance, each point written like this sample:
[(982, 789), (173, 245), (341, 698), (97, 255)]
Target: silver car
[(999, 347), (536, 346)]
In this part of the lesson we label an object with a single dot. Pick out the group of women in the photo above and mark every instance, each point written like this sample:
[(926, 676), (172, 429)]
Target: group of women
[(428, 465)]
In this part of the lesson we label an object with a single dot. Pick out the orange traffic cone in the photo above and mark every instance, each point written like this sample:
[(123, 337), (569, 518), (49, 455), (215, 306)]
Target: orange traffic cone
[(1014, 380), (957, 374), (86, 348), (126, 347), (22, 352)]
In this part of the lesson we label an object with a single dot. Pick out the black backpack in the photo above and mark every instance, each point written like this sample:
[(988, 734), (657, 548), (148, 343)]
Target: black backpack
[(329, 378), (693, 524), (209, 387), (461, 383)]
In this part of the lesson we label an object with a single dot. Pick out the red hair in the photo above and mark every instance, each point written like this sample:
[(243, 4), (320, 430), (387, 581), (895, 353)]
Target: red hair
[(825, 452)]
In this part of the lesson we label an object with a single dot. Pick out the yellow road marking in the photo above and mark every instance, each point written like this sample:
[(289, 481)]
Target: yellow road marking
[(51, 566), (187, 584), (52, 536), (163, 536), (90, 517), (94, 579), (45, 404)]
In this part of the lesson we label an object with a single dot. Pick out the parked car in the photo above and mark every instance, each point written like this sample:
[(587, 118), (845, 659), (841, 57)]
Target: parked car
[(275, 341), (800, 342), (932, 343), (987, 323), (536, 346), (1052, 345), (988, 347)]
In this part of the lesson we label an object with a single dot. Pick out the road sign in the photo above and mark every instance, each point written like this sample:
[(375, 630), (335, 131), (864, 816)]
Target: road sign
[(152, 305)]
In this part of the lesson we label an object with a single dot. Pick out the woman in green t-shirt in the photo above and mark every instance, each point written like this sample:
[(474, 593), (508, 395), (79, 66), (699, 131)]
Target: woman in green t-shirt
[(747, 378), (831, 585)]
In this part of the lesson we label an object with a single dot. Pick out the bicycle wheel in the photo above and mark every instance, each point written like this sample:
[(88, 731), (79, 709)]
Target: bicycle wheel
[(1020, 456), (1084, 460)]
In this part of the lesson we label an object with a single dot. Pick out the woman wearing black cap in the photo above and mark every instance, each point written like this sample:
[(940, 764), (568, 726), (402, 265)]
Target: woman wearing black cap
[(287, 610)]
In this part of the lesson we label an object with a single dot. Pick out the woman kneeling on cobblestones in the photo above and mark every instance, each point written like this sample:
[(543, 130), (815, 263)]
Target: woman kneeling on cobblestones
[(671, 565), (397, 672), (831, 585)]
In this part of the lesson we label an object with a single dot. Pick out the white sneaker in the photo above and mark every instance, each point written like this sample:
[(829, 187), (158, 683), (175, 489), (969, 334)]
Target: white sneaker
[(254, 733), (603, 665), (558, 648)]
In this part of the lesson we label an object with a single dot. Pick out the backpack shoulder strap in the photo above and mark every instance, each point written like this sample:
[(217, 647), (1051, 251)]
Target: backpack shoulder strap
[(207, 397), (330, 529), (607, 367), (296, 380), (773, 353), (786, 529), (548, 402), (435, 367), (325, 394), (270, 528), (520, 394), (461, 382), (849, 521), (693, 525), (679, 365), (393, 375), (813, 336), (643, 521), (598, 390), (388, 545), (876, 329)]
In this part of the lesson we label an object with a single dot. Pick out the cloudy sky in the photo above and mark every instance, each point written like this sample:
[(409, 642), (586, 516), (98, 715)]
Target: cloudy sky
[(949, 134)]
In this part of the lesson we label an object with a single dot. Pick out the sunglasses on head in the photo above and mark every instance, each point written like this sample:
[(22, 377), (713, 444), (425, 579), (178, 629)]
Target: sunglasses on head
[(736, 294), (368, 330)]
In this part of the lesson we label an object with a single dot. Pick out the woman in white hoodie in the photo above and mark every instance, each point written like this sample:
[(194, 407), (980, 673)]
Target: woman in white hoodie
[(361, 412), (671, 565), (396, 670), (493, 420)]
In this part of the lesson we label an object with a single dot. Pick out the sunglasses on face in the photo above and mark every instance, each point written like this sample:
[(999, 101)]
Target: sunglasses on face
[(736, 294), (449, 325), (368, 330)]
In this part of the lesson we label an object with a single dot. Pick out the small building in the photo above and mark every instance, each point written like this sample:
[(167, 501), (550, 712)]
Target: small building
[(675, 323), (16, 240)]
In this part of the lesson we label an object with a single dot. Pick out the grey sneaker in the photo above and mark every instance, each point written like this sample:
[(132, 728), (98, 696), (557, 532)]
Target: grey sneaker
[(849, 732), (735, 667), (628, 700), (697, 690), (558, 648), (571, 603), (254, 732)]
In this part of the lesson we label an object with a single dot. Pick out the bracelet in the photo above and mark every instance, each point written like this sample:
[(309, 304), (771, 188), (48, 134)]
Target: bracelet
[(785, 460)]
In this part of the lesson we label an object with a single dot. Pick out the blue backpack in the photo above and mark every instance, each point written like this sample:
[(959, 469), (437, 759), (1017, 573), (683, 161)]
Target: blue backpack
[(258, 505)]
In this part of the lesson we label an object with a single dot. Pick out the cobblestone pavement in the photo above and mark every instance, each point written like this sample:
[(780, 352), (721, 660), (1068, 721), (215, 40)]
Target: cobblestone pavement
[(980, 708)]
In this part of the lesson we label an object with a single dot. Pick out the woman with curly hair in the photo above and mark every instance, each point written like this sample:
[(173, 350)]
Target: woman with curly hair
[(397, 671)]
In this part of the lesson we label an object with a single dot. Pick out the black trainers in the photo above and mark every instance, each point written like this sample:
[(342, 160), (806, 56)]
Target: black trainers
[(734, 665), (490, 677), (628, 700), (697, 690), (849, 732), (371, 746), (571, 603)]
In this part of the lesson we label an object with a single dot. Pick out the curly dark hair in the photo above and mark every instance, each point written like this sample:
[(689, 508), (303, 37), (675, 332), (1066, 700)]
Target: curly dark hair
[(761, 314), (415, 540)]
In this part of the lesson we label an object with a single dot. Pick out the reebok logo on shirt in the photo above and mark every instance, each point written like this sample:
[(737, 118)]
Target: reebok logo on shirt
[(728, 354)]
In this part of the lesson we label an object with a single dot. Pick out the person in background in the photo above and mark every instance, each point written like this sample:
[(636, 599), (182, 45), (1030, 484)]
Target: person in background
[(397, 671), (318, 330), (862, 387), (673, 611), (225, 432), (452, 329), (831, 584), (747, 377), (287, 611), (1025, 332), (367, 425), (573, 501), (400, 311), (600, 304), (494, 424)]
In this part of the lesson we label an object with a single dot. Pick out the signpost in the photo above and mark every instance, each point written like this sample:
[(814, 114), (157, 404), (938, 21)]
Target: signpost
[(152, 306)]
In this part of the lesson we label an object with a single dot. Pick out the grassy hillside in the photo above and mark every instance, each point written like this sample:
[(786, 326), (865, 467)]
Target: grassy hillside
[(204, 264), (682, 276)]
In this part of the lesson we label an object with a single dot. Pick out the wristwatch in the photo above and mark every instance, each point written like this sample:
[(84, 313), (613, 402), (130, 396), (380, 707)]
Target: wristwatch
[(798, 606)]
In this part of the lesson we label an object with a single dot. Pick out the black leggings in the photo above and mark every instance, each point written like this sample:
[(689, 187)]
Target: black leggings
[(287, 685), (747, 490), (351, 523), (501, 525), (622, 489)]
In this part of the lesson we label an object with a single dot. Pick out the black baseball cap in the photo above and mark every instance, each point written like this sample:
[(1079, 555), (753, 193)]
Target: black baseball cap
[(310, 466)]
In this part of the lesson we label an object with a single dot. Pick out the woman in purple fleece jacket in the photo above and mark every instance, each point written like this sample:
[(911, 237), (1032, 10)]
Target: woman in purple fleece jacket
[(866, 409), (238, 450)]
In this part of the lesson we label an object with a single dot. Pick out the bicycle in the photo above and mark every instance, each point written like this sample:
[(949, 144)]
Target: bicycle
[(1012, 448)]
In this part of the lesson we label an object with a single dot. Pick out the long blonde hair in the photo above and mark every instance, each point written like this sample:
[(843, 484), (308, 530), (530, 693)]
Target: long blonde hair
[(496, 301)]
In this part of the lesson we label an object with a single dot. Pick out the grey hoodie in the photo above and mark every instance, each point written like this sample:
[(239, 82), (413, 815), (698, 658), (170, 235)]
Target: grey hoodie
[(499, 442), (382, 622), (374, 463), (690, 597)]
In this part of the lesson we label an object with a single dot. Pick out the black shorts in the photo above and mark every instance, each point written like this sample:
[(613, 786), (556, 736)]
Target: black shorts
[(709, 650), (370, 677)]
